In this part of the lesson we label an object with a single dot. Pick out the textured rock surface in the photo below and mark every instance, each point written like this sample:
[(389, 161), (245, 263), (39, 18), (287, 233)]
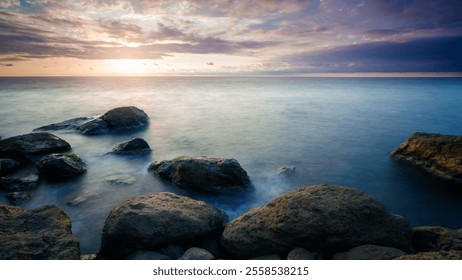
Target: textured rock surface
[(125, 118), (197, 254), (93, 127), (321, 218), (22, 147), (134, 146), (8, 165), (173, 251), (17, 184), (120, 179), (61, 166), (40, 234), (17, 198), (440, 255), (71, 124), (369, 252), (428, 238), (437, 154), (203, 173), (157, 219), (301, 254)]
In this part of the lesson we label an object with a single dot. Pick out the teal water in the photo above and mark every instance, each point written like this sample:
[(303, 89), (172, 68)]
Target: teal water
[(333, 130)]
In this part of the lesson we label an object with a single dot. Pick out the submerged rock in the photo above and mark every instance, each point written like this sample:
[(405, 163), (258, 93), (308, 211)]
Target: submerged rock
[(17, 184), (369, 252), (155, 220), (286, 170), (61, 166), (8, 165), (321, 218), (440, 155), (134, 146), (71, 124), (203, 173), (22, 147), (18, 198), (120, 179), (40, 234)]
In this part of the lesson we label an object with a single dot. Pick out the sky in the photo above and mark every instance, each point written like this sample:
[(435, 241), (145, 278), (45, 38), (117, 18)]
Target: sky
[(229, 37)]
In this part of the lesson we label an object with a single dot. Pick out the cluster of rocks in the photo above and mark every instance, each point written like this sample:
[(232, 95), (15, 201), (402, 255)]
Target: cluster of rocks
[(52, 155)]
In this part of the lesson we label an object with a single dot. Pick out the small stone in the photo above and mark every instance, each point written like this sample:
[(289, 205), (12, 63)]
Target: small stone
[(134, 146), (17, 184), (88, 257), (369, 252), (121, 179), (173, 251), (61, 166), (195, 253), (18, 198), (300, 254), (286, 170)]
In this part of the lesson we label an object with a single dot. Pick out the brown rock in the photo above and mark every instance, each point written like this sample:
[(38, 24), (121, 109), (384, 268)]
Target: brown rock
[(369, 252), (440, 255)]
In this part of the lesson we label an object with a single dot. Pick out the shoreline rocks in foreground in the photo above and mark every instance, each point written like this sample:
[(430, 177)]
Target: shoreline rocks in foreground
[(203, 173), (39, 234), (61, 166), (440, 155)]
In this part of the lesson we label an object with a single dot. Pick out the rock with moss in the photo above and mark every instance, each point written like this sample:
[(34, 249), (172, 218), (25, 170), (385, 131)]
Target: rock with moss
[(61, 166), (440, 155), (29, 146), (321, 218), (39, 234), (203, 173), (136, 146)]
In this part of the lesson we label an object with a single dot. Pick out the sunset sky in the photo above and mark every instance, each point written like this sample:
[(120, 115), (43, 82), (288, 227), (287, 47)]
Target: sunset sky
[(262, 37)]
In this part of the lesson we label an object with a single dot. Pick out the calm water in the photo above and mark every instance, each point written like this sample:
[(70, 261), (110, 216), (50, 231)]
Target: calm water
[(333, 130)]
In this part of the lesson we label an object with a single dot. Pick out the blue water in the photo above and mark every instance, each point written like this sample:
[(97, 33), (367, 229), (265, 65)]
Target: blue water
[(333, 130)]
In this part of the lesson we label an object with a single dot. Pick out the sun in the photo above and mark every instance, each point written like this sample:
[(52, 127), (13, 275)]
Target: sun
[(128, 66)]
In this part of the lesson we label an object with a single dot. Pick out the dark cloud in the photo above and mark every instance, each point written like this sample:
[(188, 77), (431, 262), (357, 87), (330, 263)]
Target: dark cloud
[(121, 30)]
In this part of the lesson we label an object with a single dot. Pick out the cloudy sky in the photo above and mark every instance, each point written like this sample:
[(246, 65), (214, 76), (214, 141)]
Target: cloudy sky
[(198, 37)]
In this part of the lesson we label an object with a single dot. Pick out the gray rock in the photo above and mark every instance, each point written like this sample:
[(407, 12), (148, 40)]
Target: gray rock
[(267, 257), (40, 234), (17, 184), (17, 198), (93, 127), (8, 165), (321, 218), (203, 173), (286, 170), (369, 252), (173, 251), (147, 255), (432, 238), (301, 254), (88, 257), (23, 147), (61, 166), (125, 118), (440, 155), (120, 179), (440, 255), (71, 124), (134, 146), (195, 253), (151, 221)]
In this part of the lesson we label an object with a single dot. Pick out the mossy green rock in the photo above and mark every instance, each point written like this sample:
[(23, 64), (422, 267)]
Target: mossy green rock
[(61, 166)]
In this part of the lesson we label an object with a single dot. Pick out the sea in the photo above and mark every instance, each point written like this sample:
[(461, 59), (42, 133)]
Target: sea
[(331, 130)]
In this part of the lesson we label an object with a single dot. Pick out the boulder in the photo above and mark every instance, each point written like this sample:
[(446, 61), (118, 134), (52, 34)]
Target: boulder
[(203, 173), (23, 147), (286, 170), (8, 165), (195, 253), (93, 127), (71, 124), (120, 179), (135, 146), (320, 218), (433, 238), (440, 155), (155, 220), (125, 118), (369, 252), (17, 184), (147, 255), (17, 198), (440, 255), (301, 254), (61, 166), (40, 234)]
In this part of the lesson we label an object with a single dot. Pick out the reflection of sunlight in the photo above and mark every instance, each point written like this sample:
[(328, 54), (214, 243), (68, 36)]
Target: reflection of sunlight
[(128, 66)]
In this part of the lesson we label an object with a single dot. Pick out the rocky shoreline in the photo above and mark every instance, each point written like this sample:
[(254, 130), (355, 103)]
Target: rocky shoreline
[(308, 223)]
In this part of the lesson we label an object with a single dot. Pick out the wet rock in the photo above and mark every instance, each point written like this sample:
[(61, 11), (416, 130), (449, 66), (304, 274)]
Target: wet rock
[(88, 257), (93, 127), (369, 252), (23, 147), (321, 218), (40, 234), (17, 184), (147, 255), (125, 118), (173, 251), (286, 170), (432, 238), (71, 124), (301, 254), (267, 257), (134, 147), (439, 255), (440, 155), (197, 254), (203, 173), (8, 165), (121, 179), (151, 221), (61, 166), (18, 198)]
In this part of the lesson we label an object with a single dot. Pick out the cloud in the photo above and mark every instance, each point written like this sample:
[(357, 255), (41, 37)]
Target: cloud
[(7, 64)]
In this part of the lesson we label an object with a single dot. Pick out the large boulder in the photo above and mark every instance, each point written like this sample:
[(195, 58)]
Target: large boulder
[(440, 155), (40, 234), (434, 238), (203, 173), (135, 146), (155, 220), (125, 118), (321, 218), (61, 166), (23, 147)]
